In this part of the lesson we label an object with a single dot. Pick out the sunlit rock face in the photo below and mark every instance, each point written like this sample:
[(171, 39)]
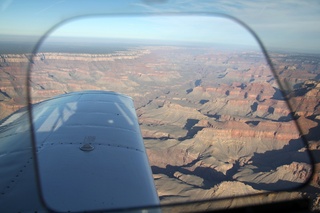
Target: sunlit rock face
[(214, 122)]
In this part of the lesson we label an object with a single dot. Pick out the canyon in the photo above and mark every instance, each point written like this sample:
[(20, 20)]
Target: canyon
[(216, 123)]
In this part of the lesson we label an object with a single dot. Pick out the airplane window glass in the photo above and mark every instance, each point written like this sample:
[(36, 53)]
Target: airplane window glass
[(212, 116)]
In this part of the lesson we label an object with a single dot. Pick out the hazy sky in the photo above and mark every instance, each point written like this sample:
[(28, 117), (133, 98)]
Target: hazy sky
[(182, 29), (280, 24)]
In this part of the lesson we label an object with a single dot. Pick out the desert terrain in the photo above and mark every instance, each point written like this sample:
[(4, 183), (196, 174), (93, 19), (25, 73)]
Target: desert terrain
[(215, 122)]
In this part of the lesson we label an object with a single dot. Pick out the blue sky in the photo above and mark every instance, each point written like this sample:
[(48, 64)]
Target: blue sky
[(280, 24), (183, 29)]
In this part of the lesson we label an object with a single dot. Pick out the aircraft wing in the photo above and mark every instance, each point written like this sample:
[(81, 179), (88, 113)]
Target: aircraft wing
[(90, 153)]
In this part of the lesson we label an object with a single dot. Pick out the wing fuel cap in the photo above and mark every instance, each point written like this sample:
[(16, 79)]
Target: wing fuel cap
[(87, 147)]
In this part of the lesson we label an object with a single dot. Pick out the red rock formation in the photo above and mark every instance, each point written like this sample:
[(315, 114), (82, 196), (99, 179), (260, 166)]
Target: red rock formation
[(199, 109)]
